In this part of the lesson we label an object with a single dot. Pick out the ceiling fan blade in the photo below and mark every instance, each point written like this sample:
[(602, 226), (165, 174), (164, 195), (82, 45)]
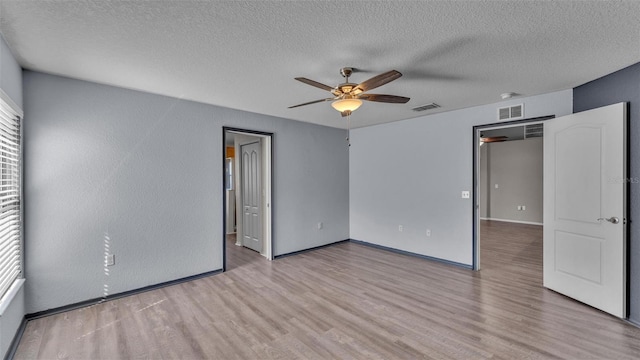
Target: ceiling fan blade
[(311, 102), (384, 98), (494, 139), (376, 81), (314, 83)]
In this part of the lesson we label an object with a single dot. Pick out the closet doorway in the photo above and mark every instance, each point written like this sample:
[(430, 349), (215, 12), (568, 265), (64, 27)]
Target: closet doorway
[(247, 191)]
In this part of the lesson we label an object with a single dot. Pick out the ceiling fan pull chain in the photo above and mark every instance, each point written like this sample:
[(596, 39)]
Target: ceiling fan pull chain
[(348, 129)]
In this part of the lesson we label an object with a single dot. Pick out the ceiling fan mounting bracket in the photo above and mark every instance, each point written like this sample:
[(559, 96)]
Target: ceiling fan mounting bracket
[(346, 72)]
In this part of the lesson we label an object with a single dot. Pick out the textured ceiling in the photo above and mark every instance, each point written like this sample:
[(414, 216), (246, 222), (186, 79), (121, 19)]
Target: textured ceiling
[(245, 54)]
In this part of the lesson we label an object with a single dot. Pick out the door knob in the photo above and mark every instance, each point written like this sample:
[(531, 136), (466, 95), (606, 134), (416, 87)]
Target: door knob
[(613, 220)]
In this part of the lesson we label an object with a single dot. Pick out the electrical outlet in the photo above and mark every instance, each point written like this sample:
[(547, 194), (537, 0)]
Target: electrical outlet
[(110, 260), (400, 228), (466, 195), (519, 207), (524, 208), (428, 232), (320, 225)]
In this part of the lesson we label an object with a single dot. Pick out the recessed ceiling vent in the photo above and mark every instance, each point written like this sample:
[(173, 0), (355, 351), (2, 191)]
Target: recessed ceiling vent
[(533, 130), (511, 112), (426, 107)]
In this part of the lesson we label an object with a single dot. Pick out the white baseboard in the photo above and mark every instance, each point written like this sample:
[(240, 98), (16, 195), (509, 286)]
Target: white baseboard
[(513, 221)]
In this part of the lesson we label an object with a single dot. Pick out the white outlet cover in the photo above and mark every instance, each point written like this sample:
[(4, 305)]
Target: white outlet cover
[(465, 195), (428, 232)]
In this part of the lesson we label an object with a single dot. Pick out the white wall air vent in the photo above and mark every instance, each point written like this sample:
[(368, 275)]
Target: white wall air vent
[(511, 112), (504, 113), (426, 107)]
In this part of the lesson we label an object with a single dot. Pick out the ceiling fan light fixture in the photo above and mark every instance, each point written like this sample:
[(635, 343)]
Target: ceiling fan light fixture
[(343, 105), (349, 96)]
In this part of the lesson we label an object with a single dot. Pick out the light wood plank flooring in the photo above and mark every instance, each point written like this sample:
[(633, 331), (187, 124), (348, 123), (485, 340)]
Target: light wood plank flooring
[(347, 301)]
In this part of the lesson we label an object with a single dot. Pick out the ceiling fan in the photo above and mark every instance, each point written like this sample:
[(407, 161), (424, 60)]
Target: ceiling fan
[(348, 96), (493, 139)]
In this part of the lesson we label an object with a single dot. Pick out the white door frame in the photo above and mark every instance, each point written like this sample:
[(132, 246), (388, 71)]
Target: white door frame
[(266, 139), (476, 174)]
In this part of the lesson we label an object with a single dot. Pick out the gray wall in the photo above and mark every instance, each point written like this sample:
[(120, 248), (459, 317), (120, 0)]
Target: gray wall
[(412, 172), (516, 166), (11, 84), (623, 85), (143, 173)]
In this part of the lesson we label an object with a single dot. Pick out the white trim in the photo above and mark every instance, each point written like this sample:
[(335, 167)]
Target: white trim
[(266, 181), (476, 179), (9, 295), (267, 159), (513, 221)]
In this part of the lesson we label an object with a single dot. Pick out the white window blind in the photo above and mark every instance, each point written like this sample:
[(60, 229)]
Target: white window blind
[(10, 196)]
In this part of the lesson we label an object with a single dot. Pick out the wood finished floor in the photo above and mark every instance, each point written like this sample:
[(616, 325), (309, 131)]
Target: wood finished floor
[(347, 301)]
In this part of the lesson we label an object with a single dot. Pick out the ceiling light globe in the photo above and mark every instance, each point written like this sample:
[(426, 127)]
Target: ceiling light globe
[(346, 104)]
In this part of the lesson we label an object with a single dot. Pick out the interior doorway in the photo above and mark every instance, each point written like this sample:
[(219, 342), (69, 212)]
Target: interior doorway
[(519, 199), (247, 189), (585, 204)]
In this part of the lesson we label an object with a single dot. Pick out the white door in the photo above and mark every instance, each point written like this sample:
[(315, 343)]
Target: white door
[(251, 196), (585, 207)]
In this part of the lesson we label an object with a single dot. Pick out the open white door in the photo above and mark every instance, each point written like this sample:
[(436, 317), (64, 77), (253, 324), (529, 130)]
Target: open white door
[(585, 207), (251, 177)]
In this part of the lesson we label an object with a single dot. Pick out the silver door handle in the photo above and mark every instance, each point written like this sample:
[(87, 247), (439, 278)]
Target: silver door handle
[(613, 220)]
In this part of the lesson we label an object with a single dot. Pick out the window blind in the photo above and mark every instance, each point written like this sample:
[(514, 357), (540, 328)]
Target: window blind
[(10, 197)]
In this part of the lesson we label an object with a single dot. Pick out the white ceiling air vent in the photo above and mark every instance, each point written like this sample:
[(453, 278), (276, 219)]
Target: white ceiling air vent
[(511, 112), (426, 107), (533, 130)]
